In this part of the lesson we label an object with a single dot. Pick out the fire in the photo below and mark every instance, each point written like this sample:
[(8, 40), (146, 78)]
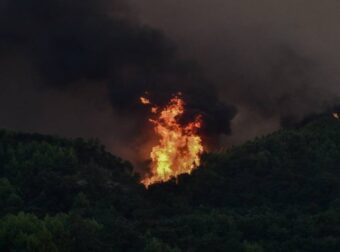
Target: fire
[(179, 147), (144, 100)]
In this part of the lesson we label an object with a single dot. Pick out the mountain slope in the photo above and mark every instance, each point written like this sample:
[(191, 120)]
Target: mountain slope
[(276, 193)]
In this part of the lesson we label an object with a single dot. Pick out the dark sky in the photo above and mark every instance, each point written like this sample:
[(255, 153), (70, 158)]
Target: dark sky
[(77, 68)]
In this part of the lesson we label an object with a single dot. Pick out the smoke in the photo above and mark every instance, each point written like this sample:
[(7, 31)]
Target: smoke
[(277, 61), (77, 68)]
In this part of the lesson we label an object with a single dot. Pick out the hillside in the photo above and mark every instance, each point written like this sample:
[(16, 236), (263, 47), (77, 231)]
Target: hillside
[(276, 193)]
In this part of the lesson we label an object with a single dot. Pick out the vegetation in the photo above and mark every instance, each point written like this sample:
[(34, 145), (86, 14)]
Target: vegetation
[(277, 193)]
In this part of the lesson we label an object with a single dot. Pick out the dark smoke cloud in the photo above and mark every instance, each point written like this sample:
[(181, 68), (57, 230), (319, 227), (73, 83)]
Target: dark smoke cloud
[(277, 61), (78, 67)]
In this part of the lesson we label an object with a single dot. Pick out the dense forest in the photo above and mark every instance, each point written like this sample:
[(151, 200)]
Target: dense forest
[(276, 193)]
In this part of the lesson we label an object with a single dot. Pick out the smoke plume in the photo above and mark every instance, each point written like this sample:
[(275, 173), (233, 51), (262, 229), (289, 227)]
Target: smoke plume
[(77, 68), (277, 61)]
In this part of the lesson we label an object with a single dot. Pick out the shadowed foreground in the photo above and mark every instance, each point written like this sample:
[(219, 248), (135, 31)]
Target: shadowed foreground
[(276, 193)]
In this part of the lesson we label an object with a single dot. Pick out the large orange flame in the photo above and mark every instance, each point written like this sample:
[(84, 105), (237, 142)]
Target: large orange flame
[(179, 147)]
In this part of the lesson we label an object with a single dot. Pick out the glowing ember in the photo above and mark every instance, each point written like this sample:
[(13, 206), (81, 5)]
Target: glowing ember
[(144, 100), (179, 147)]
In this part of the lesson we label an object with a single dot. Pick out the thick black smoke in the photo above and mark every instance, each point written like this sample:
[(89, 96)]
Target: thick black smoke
[(78, 67), (277, 61), (64, 59)]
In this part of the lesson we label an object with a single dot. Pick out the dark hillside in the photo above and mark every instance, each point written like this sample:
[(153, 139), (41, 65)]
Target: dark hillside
[(276, 193)]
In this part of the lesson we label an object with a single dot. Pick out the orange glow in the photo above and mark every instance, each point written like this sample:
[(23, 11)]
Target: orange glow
[(144, 100), (179, 148), (154, 110)]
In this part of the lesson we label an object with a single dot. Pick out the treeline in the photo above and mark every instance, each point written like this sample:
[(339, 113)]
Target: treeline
[(276, 193)]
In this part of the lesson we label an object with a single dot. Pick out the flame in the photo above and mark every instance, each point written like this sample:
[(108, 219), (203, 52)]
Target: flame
[(145, 100), (179, 148)]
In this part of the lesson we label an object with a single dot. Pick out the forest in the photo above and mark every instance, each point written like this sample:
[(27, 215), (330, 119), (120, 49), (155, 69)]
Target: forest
[(280, 192)]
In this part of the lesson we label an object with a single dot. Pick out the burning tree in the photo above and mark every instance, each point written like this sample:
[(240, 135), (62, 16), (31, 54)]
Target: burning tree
[(179, 148)]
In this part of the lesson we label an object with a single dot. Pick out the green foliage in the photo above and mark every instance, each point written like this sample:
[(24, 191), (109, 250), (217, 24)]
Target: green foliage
[(10, 201), (277, 193), (155, 245), (26, 232), (252, 247)]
